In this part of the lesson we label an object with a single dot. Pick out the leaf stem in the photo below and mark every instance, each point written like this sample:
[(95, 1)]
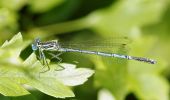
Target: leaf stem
[(61, 28)]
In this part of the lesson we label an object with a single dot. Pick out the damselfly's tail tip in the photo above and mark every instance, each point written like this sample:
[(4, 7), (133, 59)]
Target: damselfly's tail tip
[(152, 61)]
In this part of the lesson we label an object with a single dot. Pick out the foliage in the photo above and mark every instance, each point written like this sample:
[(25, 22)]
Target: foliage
[(144, 22), (15, 73)]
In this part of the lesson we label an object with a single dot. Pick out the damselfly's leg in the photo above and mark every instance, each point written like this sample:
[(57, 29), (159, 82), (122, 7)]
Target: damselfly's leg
[(41, 57), (44, 61), (59, 60)]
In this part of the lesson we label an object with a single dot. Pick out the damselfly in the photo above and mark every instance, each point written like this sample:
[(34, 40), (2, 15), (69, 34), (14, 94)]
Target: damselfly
[(56, 46)]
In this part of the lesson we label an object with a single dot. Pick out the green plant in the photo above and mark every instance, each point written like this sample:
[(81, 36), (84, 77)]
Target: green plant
[(16, 73)]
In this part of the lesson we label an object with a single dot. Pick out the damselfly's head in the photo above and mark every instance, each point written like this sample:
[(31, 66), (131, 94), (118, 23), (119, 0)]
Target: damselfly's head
[(35, 44)]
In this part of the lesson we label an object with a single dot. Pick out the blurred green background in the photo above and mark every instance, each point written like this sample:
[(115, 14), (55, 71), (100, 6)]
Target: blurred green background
[(146, 23)]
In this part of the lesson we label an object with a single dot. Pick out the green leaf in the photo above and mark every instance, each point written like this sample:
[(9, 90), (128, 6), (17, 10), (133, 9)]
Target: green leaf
[(122, 17), (10, 88), (12, 4), (39, 6), (111, 74), (17, 39), (51, 87), (52, 81), (16, 73), (103, 94), (145, 80), (44, 82), (10, 50), (71, 76), (149, 87), (9, 63), (8, 20)]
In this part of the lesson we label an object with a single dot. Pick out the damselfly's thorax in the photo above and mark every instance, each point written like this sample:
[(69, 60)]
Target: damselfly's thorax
[(49, 45)]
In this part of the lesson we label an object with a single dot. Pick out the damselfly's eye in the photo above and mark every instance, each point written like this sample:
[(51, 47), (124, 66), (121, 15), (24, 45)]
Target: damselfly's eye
[(34, 47)]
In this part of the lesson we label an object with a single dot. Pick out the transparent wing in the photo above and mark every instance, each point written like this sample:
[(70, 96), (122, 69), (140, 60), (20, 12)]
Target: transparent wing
[(106, 45)]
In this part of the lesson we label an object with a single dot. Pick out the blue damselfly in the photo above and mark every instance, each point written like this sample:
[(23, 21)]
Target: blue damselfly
[(55, 46)]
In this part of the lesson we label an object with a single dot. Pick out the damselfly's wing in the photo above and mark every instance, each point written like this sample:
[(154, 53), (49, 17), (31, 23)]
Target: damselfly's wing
[(104, 45)]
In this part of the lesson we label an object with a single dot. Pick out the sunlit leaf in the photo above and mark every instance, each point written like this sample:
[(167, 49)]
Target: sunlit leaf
[(51, 87), (149, 87), (71, 76), (12, 4), (15, 73), (105, 94), (111, 73), (122, 17), (10, 88), (145, 80), (8, 20), (39, 6)]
